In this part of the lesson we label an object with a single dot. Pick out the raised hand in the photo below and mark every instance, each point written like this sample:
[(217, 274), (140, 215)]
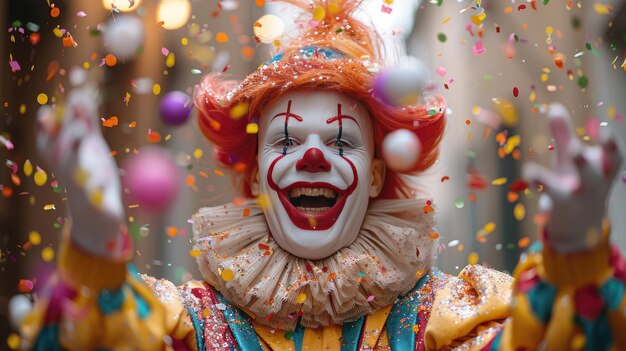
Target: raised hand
[(575, 191), (69, 138)]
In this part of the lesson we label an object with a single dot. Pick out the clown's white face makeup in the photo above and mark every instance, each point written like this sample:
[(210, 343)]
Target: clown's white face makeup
[(317, 166)]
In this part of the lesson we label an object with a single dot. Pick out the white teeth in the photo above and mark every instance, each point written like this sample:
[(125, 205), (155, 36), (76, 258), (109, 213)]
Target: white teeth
[(313, 209), (296, 192)]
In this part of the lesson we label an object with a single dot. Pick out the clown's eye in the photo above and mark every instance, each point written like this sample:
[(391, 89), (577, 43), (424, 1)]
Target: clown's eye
[(340, 143), (286, 142)]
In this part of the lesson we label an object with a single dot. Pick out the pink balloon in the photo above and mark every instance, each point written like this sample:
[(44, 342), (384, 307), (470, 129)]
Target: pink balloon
[(152, 179)]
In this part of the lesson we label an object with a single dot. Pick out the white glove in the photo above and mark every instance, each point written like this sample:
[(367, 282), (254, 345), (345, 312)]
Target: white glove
[(575, 191), (69, 138)]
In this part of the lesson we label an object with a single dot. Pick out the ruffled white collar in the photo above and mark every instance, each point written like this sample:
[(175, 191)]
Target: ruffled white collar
[(394, 248)]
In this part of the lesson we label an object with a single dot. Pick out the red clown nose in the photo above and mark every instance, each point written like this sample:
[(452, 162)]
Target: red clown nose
[(313, 161)]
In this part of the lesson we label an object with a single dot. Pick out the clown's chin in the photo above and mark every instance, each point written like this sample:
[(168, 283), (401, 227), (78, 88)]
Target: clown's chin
[(313, 206)]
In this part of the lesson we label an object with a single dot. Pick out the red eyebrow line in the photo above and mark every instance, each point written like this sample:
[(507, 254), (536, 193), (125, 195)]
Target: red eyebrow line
[(288, 114), (341, 116)]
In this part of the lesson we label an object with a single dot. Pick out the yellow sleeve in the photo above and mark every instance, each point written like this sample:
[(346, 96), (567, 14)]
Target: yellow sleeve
[(467, 312), (94, 303), (569, 302)]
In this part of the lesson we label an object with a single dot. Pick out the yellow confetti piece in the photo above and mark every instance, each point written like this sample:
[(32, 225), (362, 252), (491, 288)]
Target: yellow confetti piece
[(252, 128), (601, 9), (519, 211), (41, 177), (512, 143), (499, 181), (156, 89), (490, 227), (42, 99), (228, 275), (28, 168), (49, 207), (473, 258), (47, 254), (34, 237), (478, 19), (197, 153), (611, 111), (415, 328), (13, 341), (239, 110), (264, 201), (301, 298), (195, 253), (170, 61), (549, 30), (184, 41), (23, 109), (319, 13), (206, 312), (57, 32), (476, 110)]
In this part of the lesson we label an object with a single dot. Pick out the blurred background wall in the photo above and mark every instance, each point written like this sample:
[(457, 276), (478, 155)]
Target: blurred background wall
[(488, 224)]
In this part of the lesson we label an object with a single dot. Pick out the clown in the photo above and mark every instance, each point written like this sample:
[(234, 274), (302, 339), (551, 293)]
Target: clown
[(335, 250)]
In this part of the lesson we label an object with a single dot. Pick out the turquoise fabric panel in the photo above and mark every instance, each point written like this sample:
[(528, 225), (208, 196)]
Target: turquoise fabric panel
[(351, 334), (402, 317), (541, 297), (242, 329)]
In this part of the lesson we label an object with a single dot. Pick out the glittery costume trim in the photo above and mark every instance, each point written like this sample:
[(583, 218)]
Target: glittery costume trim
[(467, 311), (379, 266)]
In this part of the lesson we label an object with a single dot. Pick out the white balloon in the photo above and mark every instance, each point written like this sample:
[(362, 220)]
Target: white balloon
[(123, 36), (269, 28), (401, 150), (404, 83)]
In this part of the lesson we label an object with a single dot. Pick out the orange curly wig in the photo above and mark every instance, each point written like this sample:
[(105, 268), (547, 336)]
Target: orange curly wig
[(220, 102)]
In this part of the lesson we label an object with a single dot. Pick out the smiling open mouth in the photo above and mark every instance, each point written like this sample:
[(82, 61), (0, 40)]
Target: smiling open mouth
[(313, 206), (312, 200)]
